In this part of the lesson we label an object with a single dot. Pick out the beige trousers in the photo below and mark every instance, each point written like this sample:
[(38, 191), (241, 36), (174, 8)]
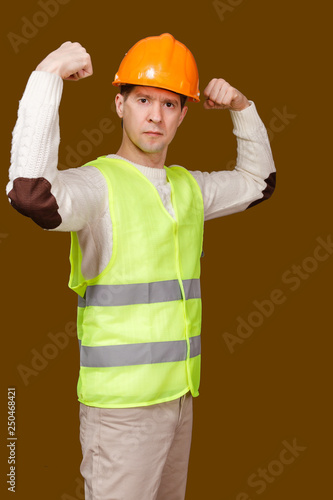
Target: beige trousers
[(136, 453)]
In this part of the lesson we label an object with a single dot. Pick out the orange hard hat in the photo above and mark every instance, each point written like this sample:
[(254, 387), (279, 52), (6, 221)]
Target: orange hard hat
[(162, 62)]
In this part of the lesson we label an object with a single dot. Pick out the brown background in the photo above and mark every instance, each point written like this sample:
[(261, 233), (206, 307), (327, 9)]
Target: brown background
[(275, 386)]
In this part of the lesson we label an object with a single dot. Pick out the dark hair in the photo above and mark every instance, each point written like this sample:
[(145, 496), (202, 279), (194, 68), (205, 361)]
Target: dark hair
[(126, 89)]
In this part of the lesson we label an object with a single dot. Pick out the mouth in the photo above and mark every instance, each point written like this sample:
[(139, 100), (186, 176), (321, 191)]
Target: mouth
[(153, 133)]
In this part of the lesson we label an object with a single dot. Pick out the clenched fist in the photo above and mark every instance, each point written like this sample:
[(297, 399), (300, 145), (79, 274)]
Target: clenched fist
[(70, 61), (221, 95)]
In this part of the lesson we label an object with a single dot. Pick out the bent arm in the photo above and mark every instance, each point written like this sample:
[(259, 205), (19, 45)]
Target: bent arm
[(253, 178), (58, 200)]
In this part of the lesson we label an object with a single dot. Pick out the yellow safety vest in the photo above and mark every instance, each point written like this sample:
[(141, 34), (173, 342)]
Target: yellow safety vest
[(139, 320)]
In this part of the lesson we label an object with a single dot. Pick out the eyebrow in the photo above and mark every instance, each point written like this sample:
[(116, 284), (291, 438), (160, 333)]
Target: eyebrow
[(149, 96)]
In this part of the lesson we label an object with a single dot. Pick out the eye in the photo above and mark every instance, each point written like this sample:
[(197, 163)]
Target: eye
[(169, 105), (143, 100)]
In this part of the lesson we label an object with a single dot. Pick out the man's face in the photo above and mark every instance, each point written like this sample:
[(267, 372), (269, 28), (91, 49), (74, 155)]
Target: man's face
[(151, 117)]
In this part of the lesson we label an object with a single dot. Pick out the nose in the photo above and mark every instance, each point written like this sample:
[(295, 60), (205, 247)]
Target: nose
[(155, 113)]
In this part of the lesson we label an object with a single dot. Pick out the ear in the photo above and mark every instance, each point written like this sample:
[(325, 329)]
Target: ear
[(182, 115), (119, 101)]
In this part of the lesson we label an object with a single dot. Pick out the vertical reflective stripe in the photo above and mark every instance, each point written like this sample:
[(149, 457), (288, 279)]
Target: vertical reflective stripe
[(137, 354)]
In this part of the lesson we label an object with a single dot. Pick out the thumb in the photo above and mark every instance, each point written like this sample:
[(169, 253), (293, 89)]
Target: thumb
[(208, 104)]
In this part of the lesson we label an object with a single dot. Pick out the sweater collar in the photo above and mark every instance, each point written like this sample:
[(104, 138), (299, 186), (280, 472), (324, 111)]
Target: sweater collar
[(149, 172)]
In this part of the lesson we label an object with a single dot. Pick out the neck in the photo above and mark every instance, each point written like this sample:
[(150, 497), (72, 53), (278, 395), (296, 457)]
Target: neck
[(132, 153)]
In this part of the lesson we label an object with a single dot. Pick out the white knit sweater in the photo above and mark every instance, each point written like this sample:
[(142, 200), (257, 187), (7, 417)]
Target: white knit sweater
[(81, 193)]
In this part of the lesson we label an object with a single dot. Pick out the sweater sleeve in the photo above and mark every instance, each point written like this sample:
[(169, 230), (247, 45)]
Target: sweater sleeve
[(253, 178), (62, 200)]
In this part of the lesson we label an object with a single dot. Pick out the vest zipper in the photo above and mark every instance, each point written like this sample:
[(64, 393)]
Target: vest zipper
[(175, 231)]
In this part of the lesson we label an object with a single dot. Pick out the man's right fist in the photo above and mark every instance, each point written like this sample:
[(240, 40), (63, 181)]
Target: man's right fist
[(70, 61)]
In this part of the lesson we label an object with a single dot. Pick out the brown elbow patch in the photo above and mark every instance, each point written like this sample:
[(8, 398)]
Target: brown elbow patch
[(33, 198), (268, 191)]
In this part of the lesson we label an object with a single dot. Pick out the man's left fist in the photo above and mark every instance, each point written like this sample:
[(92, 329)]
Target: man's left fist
[(221, 95)]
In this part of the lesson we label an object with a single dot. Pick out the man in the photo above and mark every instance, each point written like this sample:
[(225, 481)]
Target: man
[(137, 231)]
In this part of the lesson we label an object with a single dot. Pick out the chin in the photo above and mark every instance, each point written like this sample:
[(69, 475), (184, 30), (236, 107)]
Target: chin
[(152, 149)]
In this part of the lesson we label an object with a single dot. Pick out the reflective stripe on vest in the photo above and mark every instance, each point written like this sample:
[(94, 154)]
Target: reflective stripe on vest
[(139, 293), (138, 354)]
